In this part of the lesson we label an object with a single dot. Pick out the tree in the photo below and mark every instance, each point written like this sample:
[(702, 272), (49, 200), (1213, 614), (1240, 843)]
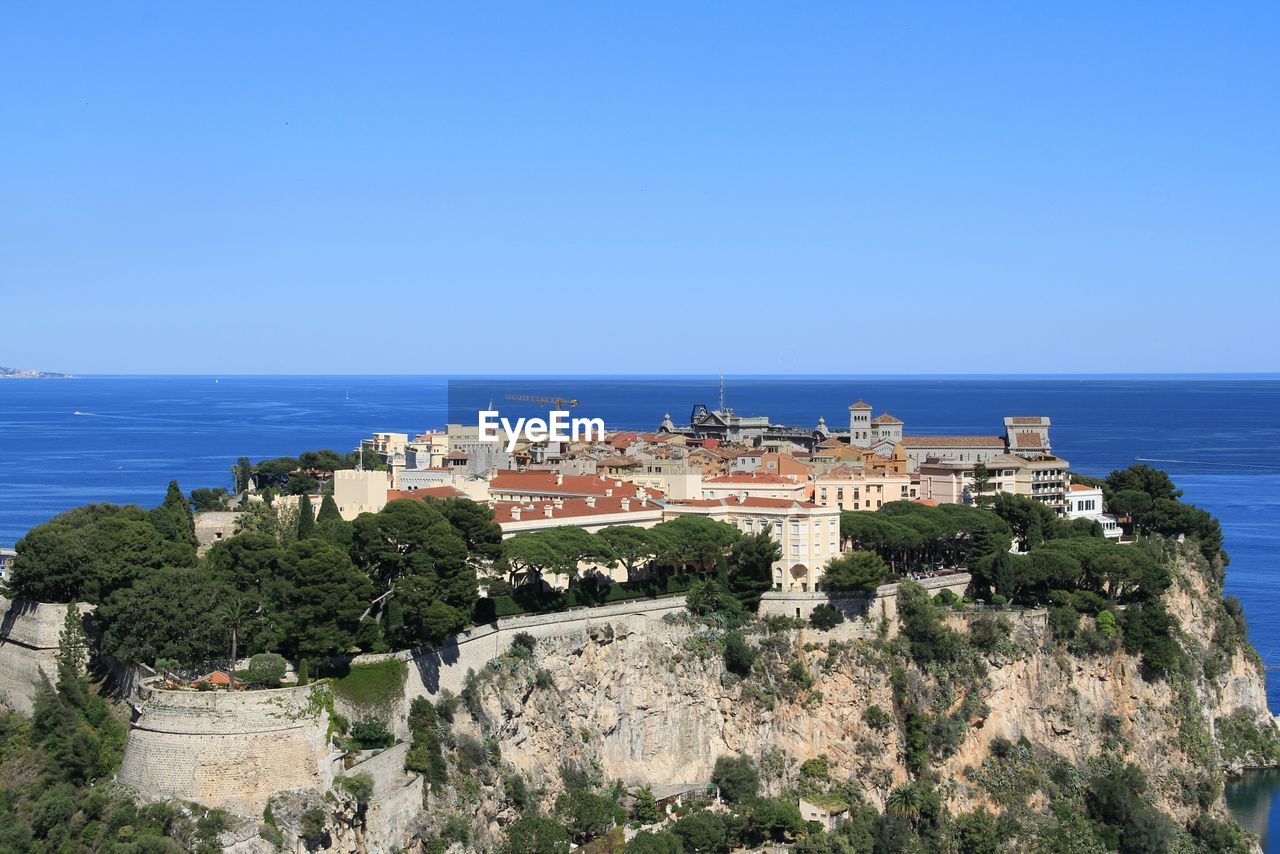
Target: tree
[(646, 808), (316, 598), (205, 499), (233, 614), (776, 819), (473, 522), (87, 553), (631, 545), (242, 474), (172, 614), (825, 618), (534, 834), (854, 572), (266, 670), (648, 842), (738, 654), (306, 518), (981, 487), (694, 540), (751, 567), (701, 832), (585, 815), (737, 778), (173, 519), (328, 509)]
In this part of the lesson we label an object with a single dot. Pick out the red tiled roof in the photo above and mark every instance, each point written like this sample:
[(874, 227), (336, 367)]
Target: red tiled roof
[(1027, 419), (752, 477), (1026, 439), (570, 508), (953, 441), (748, 501), (885, 418), (861, 404), (426, 492), (1082, 487), (545, 482), (927, 502)]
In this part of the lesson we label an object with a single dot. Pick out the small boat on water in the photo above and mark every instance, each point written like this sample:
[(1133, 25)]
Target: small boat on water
[(78, 412)]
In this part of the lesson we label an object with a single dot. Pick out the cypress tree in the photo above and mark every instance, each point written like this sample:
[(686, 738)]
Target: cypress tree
[(306, 518), (304, 674), (328, 510), (173, 518)]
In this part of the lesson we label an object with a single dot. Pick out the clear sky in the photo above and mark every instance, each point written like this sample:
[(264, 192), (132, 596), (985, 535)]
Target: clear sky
[(639, 187)]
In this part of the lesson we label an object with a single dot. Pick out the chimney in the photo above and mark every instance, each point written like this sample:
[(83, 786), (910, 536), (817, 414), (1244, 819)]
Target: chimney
[(558, 502), (548, 510), (559, 479), (626, 505), (591, 501), (515, 514), (608, 493)]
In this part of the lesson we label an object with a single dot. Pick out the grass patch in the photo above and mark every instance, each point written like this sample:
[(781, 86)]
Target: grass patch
[(373, 686)]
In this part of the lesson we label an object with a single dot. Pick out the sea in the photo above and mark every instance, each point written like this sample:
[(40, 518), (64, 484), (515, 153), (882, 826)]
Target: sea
[(66, 442)]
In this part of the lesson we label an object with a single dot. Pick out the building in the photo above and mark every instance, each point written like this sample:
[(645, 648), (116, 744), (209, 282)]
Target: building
[(674, 477), (1085, 502), (357, 492), (538, 485), (1043, 479), (387, 445), (7, 557), (808, 534), (754, 486), (826, 813), (857, 489)]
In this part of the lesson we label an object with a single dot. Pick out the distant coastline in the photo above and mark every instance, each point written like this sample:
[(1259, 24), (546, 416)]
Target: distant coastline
[(21, 374)]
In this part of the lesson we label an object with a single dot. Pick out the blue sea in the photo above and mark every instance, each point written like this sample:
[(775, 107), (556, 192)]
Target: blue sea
[(66, 442)]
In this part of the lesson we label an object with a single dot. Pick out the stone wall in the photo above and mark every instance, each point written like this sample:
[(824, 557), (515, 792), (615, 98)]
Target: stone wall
[(230, 750), (435, 669), (396, 800), (883, 604), (29, 635)]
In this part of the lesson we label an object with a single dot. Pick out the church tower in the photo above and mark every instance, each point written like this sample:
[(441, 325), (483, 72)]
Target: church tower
[(860, 424)]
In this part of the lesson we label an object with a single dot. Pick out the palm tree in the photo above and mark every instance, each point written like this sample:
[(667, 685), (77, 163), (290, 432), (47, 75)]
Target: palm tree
[(906, 800), (233, 613)]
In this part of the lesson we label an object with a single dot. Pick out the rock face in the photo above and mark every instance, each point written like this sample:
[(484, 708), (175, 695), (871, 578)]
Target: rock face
[(646, 704)]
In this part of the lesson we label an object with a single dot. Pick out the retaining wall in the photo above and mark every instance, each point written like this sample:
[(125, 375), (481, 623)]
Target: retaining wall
[(883, 604), (435, 669), (230, 750), (29, 635)]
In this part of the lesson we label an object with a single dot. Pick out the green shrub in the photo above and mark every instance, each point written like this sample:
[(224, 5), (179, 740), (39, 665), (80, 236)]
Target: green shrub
[(738, 654), (737, 778), (370, 733), (359, 787), (266, 669), (825, 618)]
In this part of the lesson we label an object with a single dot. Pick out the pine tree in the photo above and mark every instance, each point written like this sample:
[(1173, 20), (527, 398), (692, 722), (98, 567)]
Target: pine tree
[(306, 518), (173, 518), (328, 510)]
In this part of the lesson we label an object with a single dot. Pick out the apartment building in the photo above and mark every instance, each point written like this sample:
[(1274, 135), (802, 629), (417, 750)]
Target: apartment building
[(857, 489)]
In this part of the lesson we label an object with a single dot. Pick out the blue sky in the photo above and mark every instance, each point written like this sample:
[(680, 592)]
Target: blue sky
[(650, 188)]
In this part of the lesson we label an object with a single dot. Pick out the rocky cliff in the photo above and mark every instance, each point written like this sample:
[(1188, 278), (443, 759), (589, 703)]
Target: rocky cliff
[(656, 705)]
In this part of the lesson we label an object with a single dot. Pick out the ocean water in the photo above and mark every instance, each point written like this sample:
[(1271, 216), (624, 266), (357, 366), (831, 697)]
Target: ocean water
[(1219, 437)]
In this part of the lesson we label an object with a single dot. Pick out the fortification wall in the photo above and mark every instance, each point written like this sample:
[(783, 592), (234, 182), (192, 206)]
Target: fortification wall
[(883, 604), (29, 634), (432, 670), (397, 797), (230, 750)]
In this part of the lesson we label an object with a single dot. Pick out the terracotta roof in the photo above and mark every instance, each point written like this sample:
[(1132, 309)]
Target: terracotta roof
[(885, 418), (569, 508), (457, 455), (617, 461), (927, 502), (426, 492), (748, 501), (953, 441), (861, 404), (1026, 439), (1082, 487), (1027, 419), (753, 477), (551, 483)]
